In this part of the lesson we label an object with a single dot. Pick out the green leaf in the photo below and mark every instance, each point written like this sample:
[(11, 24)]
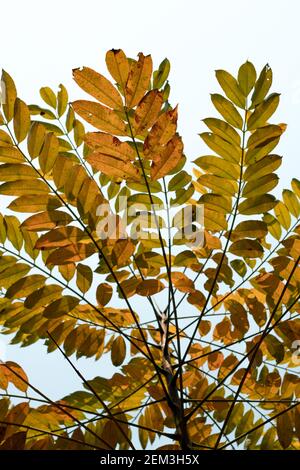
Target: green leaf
[(262, 85), (161, 75), (25, 286), (231, 88), (228, 151), (285, 430), (61, 307), (264, 167), (48, 96), (251, 229), (283, 215), (218, 166), (262, 185), (263, 112), (257, 205), (227, 110), (246, 77), (224, 130), (84, 277), (247, 248), (118, 351), (291, 201)]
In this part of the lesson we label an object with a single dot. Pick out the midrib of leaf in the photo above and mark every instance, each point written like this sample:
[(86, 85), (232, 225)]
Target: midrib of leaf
[(224, 251), (165, 259), (150, 355)]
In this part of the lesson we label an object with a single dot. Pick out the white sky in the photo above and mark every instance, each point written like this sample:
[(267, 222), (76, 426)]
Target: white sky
[(43, 41)]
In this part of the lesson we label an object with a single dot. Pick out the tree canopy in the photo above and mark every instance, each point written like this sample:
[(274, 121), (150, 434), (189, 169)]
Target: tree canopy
[(183, 274)]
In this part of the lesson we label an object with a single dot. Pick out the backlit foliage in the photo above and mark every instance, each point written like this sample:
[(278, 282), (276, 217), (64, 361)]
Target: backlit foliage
[(203, 337)]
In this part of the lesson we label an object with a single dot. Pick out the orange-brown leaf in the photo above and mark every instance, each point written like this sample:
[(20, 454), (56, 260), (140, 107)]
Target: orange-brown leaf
[(147, 112), (167, 159), (101, 117), (98, 86), (138, 80)]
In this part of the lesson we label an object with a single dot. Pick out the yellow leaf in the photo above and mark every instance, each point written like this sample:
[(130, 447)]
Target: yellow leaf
[(25, 286), (103, 294), (49, 152), (21, 120), (285, 430), (84, 277), (36, 139), (257, 205), (9, 95), (35, 204), (10, 155), (61, 307), (62, 100), (118, 67), (111, 156), (228, 151), (16, 171), (24, 187), (109, 145), (43, 296), (118, 351)]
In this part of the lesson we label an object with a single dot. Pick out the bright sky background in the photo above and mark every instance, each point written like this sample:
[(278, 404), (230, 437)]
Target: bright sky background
[(43, 41)]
